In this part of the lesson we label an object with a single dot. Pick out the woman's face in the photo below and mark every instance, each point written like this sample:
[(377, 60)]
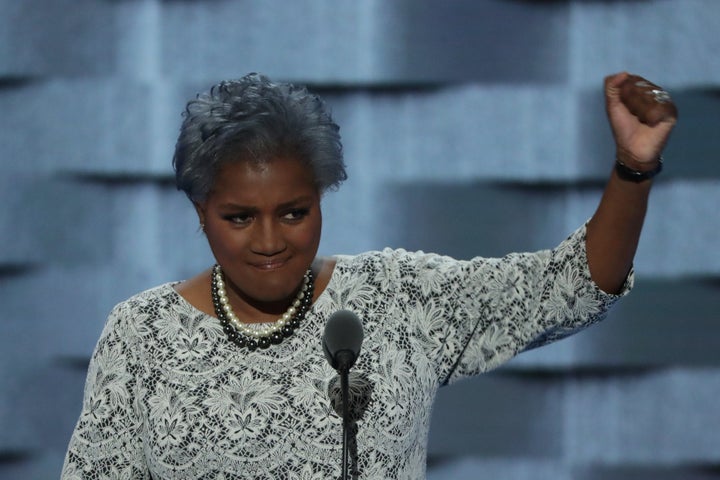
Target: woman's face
[(263, 225)]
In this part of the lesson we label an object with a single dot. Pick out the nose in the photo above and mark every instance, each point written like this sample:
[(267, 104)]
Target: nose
[(267, 238)]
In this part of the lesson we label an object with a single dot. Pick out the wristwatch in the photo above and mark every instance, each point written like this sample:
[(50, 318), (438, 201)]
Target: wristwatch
[(637, 176)]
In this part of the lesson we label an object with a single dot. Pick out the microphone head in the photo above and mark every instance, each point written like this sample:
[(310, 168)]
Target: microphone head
[(343, 335)]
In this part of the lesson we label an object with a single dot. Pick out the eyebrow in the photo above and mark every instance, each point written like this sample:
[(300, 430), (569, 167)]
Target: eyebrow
[(282, 206)]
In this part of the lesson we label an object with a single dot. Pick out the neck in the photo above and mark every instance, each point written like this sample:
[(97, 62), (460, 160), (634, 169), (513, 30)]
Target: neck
[(253, 311)]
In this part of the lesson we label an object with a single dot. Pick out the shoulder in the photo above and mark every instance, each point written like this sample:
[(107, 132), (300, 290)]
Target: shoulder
[(387, 256), (127, 320), (159, 293), (398, 264), (195, 291), (371, 260), (151, 302)]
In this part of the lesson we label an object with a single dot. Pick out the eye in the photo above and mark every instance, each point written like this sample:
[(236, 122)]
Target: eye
[(239, 218), (296, 214)]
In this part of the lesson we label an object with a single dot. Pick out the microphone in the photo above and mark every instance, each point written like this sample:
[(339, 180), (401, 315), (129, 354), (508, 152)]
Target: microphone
[(341, 343), (342, 340)]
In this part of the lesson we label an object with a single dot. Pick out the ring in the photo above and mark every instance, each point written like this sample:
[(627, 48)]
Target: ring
[(660, 96)]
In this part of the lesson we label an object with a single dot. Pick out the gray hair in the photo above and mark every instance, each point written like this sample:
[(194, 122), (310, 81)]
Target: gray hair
[(255, 119)]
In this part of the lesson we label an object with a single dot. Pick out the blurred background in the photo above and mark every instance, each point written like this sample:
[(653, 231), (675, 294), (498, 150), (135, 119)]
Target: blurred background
[(470, 128)]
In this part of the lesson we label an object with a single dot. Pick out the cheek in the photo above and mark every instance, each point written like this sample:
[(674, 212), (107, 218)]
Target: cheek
[(223, 243), (311, 235)]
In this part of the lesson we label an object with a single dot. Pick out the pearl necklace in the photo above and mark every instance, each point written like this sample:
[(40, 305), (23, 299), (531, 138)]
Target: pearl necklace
[(253, 336)]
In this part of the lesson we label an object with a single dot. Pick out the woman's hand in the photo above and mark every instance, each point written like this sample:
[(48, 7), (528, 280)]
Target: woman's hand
[(641, 116)]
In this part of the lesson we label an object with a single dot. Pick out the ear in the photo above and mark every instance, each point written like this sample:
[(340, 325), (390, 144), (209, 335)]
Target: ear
[(200, 212)]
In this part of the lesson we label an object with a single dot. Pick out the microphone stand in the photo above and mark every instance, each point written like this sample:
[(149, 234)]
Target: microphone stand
[(345, 359)]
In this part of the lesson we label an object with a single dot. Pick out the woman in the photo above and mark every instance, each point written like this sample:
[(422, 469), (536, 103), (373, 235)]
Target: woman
[(223, 375)]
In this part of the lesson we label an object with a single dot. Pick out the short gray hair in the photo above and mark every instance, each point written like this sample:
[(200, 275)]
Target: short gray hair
[(255, 119)]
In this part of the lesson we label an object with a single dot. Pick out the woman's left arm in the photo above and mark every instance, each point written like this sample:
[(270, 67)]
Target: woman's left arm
[(641, 117)]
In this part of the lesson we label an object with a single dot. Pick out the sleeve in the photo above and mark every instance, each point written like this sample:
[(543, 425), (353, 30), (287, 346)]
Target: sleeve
[(107, 440), (493, 309)]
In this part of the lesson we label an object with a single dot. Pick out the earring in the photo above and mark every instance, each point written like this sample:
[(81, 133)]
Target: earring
[(201, 227)]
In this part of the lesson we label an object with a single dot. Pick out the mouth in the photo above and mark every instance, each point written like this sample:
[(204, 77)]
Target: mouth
[(268, 265)]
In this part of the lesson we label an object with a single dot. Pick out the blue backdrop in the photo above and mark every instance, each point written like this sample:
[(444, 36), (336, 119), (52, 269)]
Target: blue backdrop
[(470, 128)]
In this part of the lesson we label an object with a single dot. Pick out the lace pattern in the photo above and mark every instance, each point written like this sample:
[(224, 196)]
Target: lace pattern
[(168, 397)]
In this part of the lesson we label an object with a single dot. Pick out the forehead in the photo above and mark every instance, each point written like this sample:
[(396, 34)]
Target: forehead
[(262, 182)]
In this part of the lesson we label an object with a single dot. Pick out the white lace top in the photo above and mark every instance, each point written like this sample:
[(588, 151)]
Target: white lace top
[(168, 397)]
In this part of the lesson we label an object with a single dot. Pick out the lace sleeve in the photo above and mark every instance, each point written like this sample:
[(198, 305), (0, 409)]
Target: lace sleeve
[(569, 300), (106, 442), (530, 299), (478, 314)]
